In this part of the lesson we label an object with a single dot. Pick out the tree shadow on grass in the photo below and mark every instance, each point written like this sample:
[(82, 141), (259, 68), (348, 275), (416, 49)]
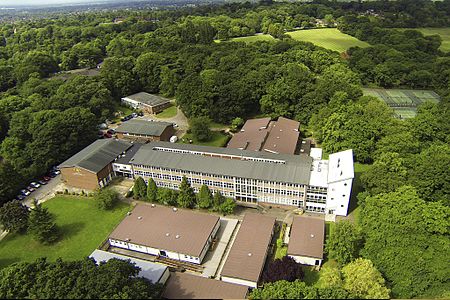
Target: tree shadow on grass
[(356, 189), (4, 262), (70, 230)]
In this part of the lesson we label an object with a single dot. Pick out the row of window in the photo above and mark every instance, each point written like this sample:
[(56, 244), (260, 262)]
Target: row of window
[(315, 209)]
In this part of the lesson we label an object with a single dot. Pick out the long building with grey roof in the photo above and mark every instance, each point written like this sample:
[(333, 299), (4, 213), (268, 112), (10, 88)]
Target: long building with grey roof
[(249, 177), (144, 130)]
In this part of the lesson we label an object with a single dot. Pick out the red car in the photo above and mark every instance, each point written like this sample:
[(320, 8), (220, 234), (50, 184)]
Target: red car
[(47, 178), (107, 135)]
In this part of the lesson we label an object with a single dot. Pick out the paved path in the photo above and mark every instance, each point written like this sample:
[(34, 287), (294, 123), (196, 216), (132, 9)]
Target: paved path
[(227, 251), (214, 258)]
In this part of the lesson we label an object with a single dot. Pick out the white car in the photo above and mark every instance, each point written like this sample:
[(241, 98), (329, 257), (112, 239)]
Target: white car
[(35, 184), (25, 192)]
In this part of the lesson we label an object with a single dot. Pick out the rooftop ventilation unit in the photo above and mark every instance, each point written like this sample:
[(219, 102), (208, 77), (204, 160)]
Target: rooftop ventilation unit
[(312, 235), (153, 205), (129, 213), (167, 234), (139, 218), (249, 254), (177, 236), (174, 209)]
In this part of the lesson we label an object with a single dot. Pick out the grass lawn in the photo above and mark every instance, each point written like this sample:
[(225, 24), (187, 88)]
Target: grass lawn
[(125, 112), (84, 227), (443, 32), (169, 112), (329, 38), (219, 139), (254, 38)]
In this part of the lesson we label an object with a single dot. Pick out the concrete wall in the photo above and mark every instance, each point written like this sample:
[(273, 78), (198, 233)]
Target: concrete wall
[(311, 261), (338, 197), (248, 283)]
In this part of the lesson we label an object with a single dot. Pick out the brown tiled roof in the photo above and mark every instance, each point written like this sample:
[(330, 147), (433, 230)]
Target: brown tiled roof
[(252, 135), (307, 237), (283, 136), (248, 252), (260, 134), (186, 286), (149, 226)]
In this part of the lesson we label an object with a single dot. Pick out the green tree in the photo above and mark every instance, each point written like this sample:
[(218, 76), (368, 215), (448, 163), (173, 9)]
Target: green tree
[(152, 190), (167, 196), (363, 280), (148, 70), (393, 222), (41, 224), (106, 198), (236, 124), (14, 216), (218, 200), (186, 195), (344, 243), (204, 197), (139, 188), (199, 128), (227, 207), (282, 290), (386, 174)]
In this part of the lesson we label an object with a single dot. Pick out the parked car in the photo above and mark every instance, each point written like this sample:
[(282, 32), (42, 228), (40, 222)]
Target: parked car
[(107, 135), (46, 178), (25, 192), (35, 184), (30, 188), (111, 131), (140, 114), (20, 197), (42, 182), (52, 174), (134, 115)]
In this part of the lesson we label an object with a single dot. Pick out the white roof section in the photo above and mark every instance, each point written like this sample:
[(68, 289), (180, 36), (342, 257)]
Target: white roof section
[(316, 153), (341, 166), (149, 270), (319, 173)]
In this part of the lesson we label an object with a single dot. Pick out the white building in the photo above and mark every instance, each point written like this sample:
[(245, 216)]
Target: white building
[(306, 240), (156, 273), (166, 232)]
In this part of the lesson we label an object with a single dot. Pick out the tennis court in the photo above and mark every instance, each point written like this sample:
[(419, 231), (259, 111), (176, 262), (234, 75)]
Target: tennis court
[(403, 102)]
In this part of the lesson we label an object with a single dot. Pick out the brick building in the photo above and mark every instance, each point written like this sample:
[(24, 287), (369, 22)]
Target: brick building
[(145, 131)]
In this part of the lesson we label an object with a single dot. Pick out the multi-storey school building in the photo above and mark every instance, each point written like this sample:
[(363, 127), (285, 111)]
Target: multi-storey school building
[(250, 177)]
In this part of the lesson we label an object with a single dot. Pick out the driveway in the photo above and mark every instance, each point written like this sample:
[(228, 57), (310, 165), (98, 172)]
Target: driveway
[(179, 119)]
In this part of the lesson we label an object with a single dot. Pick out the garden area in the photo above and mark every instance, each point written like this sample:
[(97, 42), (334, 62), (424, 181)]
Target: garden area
[(218, 139), (167, 113), (83, 227)]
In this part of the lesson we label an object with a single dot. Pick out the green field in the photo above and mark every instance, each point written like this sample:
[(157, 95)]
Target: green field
[(169, 112), (84, 227), (329, 38), (254, 38), (403, 102), (443, 32), (219, 139)]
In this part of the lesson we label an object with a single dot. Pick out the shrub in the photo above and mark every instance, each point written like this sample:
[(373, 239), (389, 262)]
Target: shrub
[(106, 198)]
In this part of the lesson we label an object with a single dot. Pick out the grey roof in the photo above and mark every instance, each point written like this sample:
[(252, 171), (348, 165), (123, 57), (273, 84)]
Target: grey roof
[(97, 155), (143, 127), (148, 99), (125, 158), (295, 170), (151, 271)]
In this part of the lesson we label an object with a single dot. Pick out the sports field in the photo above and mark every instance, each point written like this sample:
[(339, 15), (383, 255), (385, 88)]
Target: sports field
[(329, 38), (443, 32), (404, 102)]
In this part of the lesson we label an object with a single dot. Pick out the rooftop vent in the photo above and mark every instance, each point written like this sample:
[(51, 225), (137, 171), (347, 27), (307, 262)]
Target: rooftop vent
[(312, 235), (127, 239), (153, 205), (129, 213), (177, 236), (174, 209), (139, 218), (278, 137), (167, 234), (249, 254)]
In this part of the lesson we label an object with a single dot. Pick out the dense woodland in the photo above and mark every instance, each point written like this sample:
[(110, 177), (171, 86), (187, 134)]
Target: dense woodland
[(403, 225)]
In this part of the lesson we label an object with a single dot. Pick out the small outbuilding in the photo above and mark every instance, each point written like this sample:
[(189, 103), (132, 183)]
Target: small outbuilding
[(149, 103), (143, 130), (306, 240)]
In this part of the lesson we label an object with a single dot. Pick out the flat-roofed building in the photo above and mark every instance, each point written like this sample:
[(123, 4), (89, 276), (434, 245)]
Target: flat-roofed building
[(167, 232), (264, 135), (306, 240), (143, 130), (247, 256), (91, 168), (186, 286), (150, 103), (156, 273)]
